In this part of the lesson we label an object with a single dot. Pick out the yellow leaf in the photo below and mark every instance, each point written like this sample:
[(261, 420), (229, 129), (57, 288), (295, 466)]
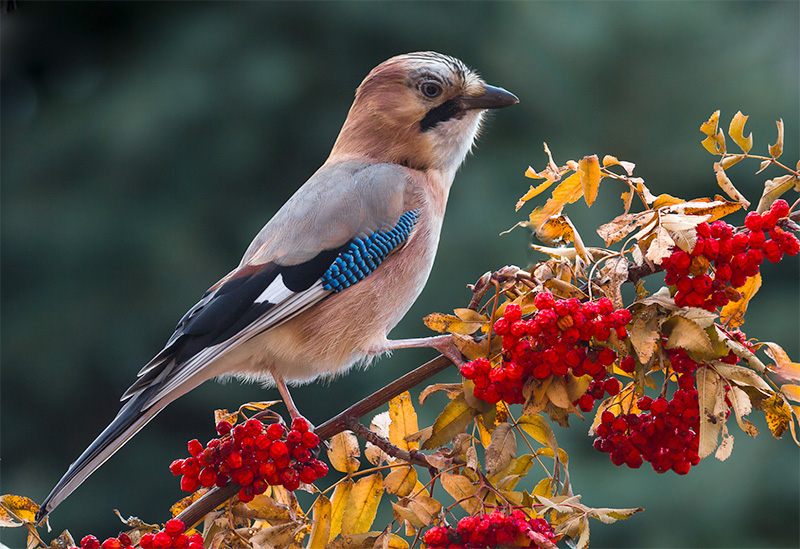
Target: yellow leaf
[(710, 127), (538, 428), (732, 314), (792, 392), (453, 419), (343, 452), (778, 413), (321, 529), (777, 149), (736, 131), (713, 209), (589, 169), (542, 488), (14, 509), (726, 185), (623, 402), (362, 505), (401, 481), (404, 421), (776, 353), (533, 191), (461, 489), (742, 406), (442, 323), (502, 448)]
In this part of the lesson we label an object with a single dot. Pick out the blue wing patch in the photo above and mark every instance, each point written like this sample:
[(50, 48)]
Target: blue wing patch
[(363, 255)]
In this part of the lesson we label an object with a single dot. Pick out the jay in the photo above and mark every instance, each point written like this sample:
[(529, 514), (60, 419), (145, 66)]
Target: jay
[(341, 262)]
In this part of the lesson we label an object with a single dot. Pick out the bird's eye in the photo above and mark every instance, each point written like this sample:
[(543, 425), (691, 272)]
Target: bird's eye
[(431, 89)]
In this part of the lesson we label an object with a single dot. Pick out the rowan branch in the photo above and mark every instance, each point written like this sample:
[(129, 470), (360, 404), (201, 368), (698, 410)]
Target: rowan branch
[(217, 496)]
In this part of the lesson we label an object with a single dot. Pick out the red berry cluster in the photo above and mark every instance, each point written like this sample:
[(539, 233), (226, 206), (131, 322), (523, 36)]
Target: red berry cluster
[(734, 256), (254, 456), (171, 537), (495, 529), (563, 336), (665, 434)]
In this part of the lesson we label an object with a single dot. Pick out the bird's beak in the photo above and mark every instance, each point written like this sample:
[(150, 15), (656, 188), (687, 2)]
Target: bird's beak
[(492, 98)]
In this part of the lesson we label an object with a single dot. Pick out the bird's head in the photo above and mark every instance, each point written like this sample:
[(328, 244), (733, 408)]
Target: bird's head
[(422, 110)]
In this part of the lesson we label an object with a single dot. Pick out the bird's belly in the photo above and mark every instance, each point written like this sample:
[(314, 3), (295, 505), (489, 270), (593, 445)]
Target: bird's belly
[(343, 329)]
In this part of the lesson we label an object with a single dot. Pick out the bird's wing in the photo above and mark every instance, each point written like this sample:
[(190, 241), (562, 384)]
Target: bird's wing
[(332, 233)]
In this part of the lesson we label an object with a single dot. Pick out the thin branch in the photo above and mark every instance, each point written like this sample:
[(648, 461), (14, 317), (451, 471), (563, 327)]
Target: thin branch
[(217, 496)]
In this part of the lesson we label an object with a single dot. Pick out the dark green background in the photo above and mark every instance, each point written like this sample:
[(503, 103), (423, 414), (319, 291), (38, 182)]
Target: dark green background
[(144, 144)]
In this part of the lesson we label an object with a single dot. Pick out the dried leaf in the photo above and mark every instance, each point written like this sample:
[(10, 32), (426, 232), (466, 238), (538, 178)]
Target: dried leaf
[(791, 391), (404, 421), (401, 481), (343, 452), (784, 367), (732, 314), (741, 405), (778, 413), (736, 131), (741, 375), (688, 335), (610, 516), (472, 348), (321, 529), (462, 490), (660, 246), (453, 419), (362, 505), (709, 390), (16, 509), (452, 390), (773, 190), (646, 332), (730, 160), (777, 149), (726, 185), (589, 170), (725, 447), (502, 448), (622, 225)]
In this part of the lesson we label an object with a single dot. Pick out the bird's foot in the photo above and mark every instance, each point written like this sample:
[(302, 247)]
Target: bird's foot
[(443, 343)]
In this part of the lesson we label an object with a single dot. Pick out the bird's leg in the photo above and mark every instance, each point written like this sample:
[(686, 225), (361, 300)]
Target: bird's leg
[(443, 343), (287, 397)]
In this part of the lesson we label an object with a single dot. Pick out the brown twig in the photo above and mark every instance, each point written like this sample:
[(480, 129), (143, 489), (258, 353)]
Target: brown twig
[(217, 496), (414, 458)]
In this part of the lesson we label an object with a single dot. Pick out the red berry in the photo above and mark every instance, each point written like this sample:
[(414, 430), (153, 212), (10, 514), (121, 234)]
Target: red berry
[(111, 543), (300, 424), (224, 427), (162, 540), (173, 527), (195, 448), (612, 386), (275, 431), (146, 541), (90, 542), (181, 541), (512, 312), (176, 467)]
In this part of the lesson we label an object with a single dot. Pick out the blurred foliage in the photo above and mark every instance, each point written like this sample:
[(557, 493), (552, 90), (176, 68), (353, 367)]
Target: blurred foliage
[(144, 144)]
